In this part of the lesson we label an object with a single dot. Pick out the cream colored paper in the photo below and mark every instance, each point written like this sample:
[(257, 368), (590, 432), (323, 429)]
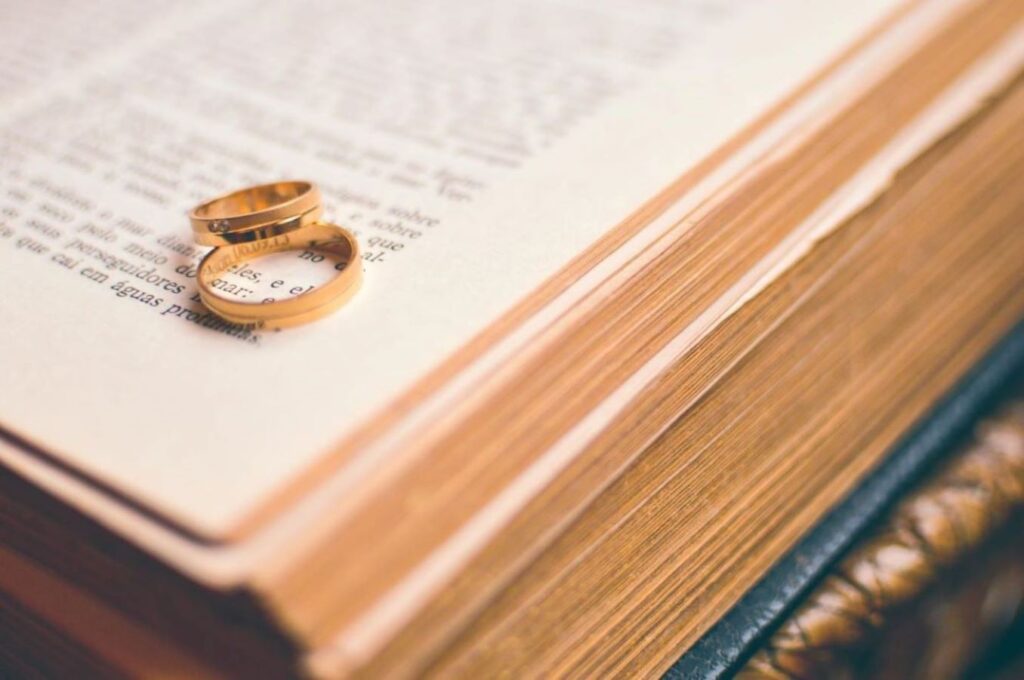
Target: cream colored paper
[(476, 148)]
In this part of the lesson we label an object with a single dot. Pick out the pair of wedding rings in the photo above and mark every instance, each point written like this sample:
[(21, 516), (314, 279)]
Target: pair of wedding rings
[(270, 218)]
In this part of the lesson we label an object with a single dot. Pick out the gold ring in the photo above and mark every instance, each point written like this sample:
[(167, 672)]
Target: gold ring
[(256, 213), (303, 308)]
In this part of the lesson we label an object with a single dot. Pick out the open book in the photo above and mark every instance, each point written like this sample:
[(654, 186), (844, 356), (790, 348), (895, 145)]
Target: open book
[(586, 226)]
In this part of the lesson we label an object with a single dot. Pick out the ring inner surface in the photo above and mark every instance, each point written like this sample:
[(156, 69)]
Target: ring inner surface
[(253, 200), (225, 258)]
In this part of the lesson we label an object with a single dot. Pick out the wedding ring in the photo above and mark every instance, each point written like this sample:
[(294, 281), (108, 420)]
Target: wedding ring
[(256, 213), (303, 308)]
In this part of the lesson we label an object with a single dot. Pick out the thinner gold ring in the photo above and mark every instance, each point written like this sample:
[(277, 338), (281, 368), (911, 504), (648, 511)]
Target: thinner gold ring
[(303, 308), (256, 213)]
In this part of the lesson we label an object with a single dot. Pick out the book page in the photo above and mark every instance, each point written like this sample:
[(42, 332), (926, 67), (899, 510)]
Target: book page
[(473, 148)]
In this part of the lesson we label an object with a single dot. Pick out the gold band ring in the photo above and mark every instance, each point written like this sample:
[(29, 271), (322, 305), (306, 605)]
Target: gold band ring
[(255, 213), (260, 232), (294, 311)]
